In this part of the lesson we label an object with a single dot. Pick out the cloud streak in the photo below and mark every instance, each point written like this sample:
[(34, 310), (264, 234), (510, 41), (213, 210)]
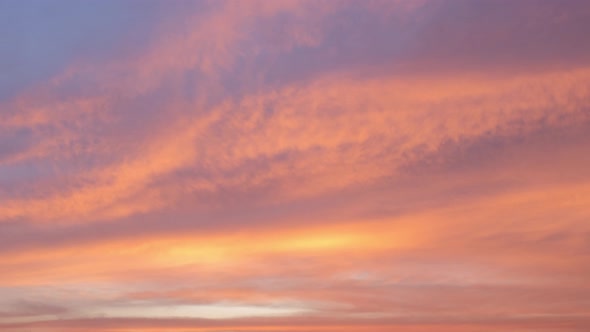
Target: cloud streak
[(304, 166)]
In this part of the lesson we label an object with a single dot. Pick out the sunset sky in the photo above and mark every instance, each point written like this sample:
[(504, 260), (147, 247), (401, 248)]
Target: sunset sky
[(294, 166)]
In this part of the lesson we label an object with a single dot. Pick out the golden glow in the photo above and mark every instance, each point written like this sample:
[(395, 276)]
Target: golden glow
[(295, 165)]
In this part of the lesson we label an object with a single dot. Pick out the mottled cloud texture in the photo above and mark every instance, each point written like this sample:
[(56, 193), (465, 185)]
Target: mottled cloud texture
[(295, 166)]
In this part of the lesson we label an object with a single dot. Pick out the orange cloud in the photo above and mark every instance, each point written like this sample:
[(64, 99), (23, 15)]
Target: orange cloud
[(359, 195), (318, 134)]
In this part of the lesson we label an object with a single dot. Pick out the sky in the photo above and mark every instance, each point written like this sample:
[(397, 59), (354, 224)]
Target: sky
[(304, 166)]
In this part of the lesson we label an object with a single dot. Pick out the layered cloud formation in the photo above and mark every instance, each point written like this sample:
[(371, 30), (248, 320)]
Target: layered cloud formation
[(295, 166)]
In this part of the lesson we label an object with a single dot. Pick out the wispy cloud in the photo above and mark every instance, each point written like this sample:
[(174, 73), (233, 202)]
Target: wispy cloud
[(305, 166)]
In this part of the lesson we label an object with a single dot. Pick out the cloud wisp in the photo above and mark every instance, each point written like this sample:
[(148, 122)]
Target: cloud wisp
[(299, 166)]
